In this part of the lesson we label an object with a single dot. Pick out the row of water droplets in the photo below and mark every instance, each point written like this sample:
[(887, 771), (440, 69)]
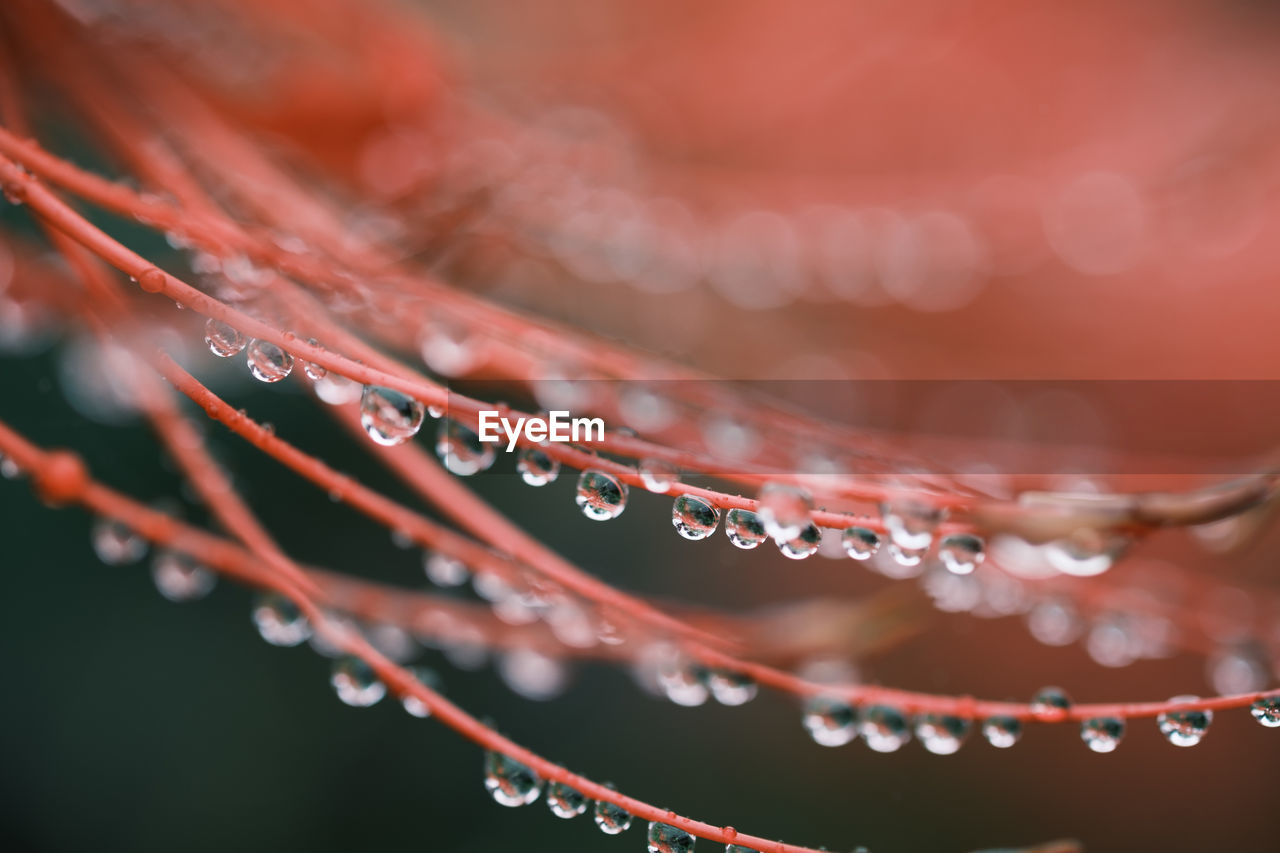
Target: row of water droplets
[(833, 722), (513, 784), (783, 513)]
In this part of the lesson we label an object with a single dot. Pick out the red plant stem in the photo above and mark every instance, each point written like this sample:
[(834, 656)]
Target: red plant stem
[(909, 702), (46, 469)]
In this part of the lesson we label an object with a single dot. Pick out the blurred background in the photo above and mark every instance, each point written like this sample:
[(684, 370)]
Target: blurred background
[(827, 190)]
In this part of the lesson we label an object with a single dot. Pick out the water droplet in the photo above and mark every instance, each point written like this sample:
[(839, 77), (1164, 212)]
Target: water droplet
[(1267, 711), (683, 682), (356, 683), (1085, 553), (738, 848), (389, 417), (658, 475), (224, 341), (315, 372), (1102, 734), (412, 704), (8, 468), (784, 510), (1002, 732), (910, 522), (1055, 622), (744, 528), (693, 517), (461, 450), (532, 674), (448, 349), (906, 557), (1111, 641), (279, 620), (961, 553), (830, 721), (611, 819), (731, 688), (941, 734), (116, 543), (884, 729), (1237, 670), (565, 801), (443, 570), (509, 782), (1184, 727), (601, 496), (860, 543), (1050, 703), (664, 838), (181, 578), (267, 362), (536, 467), (805, 544), (337, 390)]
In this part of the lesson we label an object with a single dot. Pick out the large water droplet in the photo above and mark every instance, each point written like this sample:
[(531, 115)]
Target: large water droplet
[(179, 578), (910, 522), (961, 553), (565, 801), (658, 475), (461, 450), (268, 362), (804, 544), (1002, 732), (1050, 703), (664, 838), (860, 543), (693, 517), (683, 682), (611, 819), (1185, 727), (601, 496), (443, 570), (883, 728), (532, 674), (784, 510), (731, 688), (448, 349), (907, 558), (830, 721), (744, 528), (279, 620), (1267, 711), (1085, 553), (337, 390), (224, 341), (412, 704), (509, 782), (356, 683), (941, 734), (738, 848), (1102, 734), (536, 467), (116, 543), (389, 417)]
